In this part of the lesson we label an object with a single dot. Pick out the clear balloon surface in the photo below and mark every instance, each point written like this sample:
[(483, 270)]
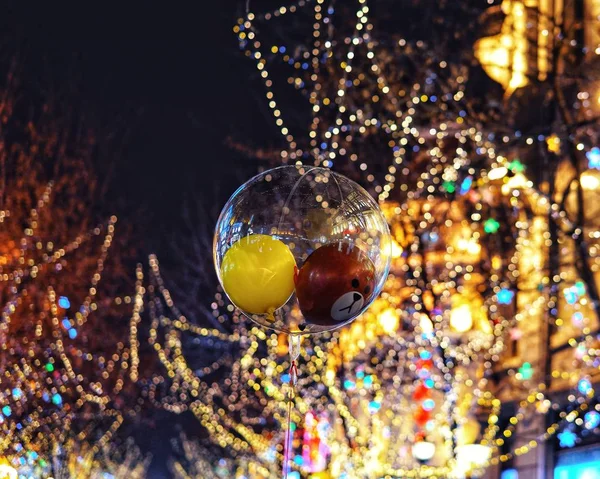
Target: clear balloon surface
[(302, 249)]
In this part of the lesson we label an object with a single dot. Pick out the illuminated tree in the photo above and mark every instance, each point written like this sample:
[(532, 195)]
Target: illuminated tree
[(79, 459), (194, 460), (64, 344), (489, 316)]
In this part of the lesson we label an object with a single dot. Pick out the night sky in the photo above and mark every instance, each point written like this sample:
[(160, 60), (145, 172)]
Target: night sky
[(164, 88)]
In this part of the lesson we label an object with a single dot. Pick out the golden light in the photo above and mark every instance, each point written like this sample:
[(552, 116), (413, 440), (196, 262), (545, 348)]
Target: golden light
[(497, 173), (519, 181), (471, 457), (396, 249), (553, 142), (470, 246), (504, 56), (496, 262), (423, 450), (461, 319), (425, 324), (320, 475), (7, 471), (391, 246), (589, 181), (389, 321), (468, 432)]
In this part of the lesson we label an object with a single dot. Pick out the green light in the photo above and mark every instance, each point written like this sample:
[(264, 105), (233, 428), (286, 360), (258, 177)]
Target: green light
[(580, 288), (526, 371), (49, 367), (516, 166), (449, 186), (491, 226)]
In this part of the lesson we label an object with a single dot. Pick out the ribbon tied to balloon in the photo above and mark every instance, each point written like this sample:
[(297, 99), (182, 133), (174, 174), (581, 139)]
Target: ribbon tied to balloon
[(301, 250)]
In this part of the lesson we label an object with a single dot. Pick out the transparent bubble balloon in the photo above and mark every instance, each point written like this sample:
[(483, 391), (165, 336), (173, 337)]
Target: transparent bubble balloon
[(302, 249)]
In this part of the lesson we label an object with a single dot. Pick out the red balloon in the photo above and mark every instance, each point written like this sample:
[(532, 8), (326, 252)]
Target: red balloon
[(334, 283)]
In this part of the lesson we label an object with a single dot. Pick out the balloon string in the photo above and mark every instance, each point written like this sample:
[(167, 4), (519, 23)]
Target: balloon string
[(287, 447)]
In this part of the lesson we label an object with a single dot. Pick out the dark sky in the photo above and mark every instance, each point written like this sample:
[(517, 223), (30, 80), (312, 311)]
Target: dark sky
[(170, 86)]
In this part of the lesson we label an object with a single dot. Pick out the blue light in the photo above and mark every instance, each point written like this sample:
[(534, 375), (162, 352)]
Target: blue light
[(593, 157), (368, 381), (505, 296), (56, 399), (578, 464), (428, 404), (66, 323), (64, 302), (349, 384), (16, 393), (360, 374), (509, 474), (425, 354), (570, 296), (46, 397), (429, 383), (465, 186), (567, 438), (433, 236), (374, 406), (285, 378), (281, 49), (587, 470), (580, 288), (72, 333), (584, 386), (6, 410), (294, 475), (591, 420), (299, 460)]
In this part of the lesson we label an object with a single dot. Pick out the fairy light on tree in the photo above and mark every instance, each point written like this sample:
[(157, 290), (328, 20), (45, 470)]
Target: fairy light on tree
[(480, 212), (63, 369)]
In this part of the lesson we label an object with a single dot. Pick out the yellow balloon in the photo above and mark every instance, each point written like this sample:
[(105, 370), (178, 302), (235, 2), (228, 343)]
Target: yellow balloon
[(258, 274)]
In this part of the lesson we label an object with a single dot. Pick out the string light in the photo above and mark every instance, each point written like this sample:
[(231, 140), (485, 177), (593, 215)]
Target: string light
[(464, 214)]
